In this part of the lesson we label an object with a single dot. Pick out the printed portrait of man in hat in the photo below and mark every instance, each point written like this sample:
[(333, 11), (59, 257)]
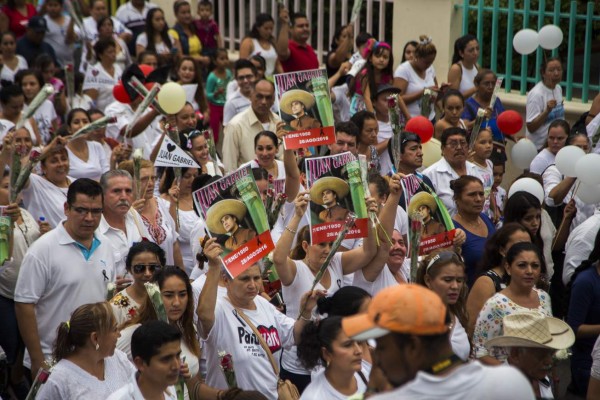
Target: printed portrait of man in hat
[(425, 204), (297, 102), (225, 217), (328, 192)]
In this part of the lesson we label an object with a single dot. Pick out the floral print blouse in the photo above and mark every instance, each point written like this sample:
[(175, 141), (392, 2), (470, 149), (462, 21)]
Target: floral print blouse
[(489, 322), (124, 307)]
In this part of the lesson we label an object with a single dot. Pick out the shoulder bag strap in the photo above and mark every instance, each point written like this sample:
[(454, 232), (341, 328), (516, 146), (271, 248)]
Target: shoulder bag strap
[(260, 338)]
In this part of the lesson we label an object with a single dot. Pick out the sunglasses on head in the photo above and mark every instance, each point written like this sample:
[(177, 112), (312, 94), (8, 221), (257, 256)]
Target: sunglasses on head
[(410, 137), (444, 256), (140, 268)]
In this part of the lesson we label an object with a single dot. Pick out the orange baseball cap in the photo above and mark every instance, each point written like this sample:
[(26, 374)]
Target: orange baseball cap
[(406, 308)]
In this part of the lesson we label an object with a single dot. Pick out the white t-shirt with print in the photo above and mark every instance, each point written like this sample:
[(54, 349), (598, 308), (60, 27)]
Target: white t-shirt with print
[(44, 116), (94, 167), (97, 78), (416, 84), (230, 333)]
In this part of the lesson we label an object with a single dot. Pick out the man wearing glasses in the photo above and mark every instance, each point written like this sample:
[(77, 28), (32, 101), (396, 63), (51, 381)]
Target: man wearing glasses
[(245, 75), (64, 269)]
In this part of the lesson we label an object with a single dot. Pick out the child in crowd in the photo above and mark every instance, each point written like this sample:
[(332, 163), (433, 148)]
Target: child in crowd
[(156, 38), (480, 156), (46, 66), (377, 71), (216, 86), (453, 104), (207, 29), (498, 192)]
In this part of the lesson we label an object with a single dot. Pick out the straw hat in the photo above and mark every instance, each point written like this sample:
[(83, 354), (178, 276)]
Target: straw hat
[(533, 329), (337, 185), (304, 97), (219, 210), (421, 199)]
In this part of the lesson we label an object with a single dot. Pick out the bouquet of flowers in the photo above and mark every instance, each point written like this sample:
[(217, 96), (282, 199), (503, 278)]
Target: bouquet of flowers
[(348, 224), (226, 364), (426, 100), (98, 124), (46, 91), (476, 127), (137, 166), (19, 176), (156, 299), (273, 202), (416, 229)]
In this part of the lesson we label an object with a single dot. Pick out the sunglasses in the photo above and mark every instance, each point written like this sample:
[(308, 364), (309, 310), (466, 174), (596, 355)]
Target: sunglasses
[(140, 268), (443, 257)]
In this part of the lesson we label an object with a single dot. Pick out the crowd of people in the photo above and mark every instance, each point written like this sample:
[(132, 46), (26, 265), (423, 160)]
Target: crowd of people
[(515, 291)]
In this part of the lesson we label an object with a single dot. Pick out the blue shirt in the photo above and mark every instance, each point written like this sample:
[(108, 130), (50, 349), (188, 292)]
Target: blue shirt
[(470, 113), (473, 247), (87, 253)]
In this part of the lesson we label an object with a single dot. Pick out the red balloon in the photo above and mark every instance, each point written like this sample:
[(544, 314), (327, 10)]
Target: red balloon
[(120, 94), (420, 126), (146, 69), (510, 122)]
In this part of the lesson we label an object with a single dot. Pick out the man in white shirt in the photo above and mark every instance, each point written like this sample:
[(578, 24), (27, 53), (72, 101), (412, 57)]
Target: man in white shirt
[(245, 74), (120, 223), (412, 327), (132, 14), (238, 145), (64, 269), (156, 352), (580, 244)]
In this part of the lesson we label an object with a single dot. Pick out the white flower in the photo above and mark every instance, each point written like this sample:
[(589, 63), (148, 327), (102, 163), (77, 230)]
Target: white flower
[(138, 153), (270, 257), (480, 112)]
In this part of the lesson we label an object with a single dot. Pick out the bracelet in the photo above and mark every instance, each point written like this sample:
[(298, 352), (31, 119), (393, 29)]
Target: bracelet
[(294, 231), (303, 318)]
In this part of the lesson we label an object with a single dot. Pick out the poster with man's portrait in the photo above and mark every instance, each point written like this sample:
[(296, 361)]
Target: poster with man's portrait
[(235, 214), (305, 106), (336, 190)]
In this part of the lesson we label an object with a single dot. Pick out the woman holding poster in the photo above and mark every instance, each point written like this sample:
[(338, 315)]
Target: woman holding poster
[(297, 270)]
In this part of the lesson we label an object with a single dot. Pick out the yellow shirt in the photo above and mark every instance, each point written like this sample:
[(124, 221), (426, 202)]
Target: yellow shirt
[(193, 42)]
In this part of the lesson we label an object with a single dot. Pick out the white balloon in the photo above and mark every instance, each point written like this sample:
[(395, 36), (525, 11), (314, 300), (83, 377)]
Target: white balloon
[(588, 169), (551, 37), (528, 185), (523, 153), (566, 158), (171, 97), (432, 152), (589, 194), (526, 41)]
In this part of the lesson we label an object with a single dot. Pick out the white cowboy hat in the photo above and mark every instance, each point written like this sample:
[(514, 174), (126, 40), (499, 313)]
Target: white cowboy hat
[(332, 183), (219, 210), (304, 97), (533, 329)]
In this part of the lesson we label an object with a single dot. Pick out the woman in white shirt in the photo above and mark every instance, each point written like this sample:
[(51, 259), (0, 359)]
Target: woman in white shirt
[(444, 273), (414, 76), (156, 38), (156, 216), (464, 65), (103, 76), (89, 366), (31, 82), (11, 62), (87, 158), (325, 343), (545, 102), (558, 132), (177, 296)]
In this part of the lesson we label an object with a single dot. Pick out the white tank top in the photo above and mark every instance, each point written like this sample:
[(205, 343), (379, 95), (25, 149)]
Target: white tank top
[(468, 75), (270, 56), (293, 293)]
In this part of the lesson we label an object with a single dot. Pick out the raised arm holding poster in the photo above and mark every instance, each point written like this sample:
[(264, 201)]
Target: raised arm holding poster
[(235, 215), (336, 190), (305, 106), (437, 227)]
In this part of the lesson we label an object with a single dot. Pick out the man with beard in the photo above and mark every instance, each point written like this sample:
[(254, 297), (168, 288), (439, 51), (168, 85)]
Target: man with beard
[(62, 270), (121, 224)]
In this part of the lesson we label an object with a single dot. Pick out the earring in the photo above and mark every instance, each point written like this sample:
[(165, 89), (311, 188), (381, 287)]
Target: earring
[(97, 346)]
